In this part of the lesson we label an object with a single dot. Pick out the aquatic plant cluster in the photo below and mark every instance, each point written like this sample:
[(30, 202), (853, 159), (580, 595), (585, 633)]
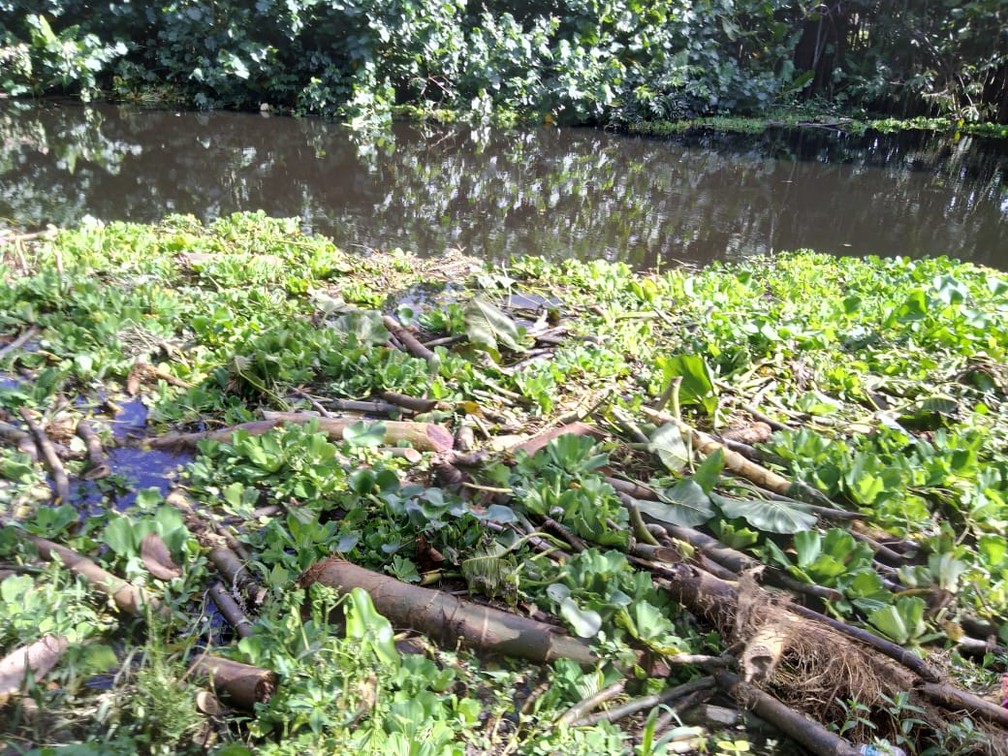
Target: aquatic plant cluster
[(579, 62), (778, 484)]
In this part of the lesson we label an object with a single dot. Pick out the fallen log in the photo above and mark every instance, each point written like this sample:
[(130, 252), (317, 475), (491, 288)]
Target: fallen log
[(61, 483), (421, 436), (127, 597), (450, 620), (411, 403), (97, 461), (540, 440), (244, 684), (38, 658)]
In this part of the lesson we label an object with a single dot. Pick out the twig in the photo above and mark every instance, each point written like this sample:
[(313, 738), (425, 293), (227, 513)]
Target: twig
[(20, 341), (810, 734), (410, 342), (564, 532), (61, 483), (647, 702), (591, 703)]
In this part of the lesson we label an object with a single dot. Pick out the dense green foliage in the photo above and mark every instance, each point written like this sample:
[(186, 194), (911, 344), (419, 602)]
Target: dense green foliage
[(889, 373), (572, 61)]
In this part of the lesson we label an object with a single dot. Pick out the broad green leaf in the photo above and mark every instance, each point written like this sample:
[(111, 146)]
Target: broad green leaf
[(684, 504), (367, 326), (365, 624), (765, 515), (491, 328), (697, 385), (364, 434), (902, 621), (585, 622), (667, 442), (119, 537), (709, 473)]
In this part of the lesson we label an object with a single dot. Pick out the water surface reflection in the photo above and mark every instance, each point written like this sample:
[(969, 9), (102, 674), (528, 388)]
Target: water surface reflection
[(560, 193)]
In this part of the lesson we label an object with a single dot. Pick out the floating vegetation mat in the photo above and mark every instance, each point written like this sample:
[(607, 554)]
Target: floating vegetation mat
[(259, 495)]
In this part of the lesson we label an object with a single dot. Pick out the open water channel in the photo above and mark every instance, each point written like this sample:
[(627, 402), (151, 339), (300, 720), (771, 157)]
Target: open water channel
[(557, 192)]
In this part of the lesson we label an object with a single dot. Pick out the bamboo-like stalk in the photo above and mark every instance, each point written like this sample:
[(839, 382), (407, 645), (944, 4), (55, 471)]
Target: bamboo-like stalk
[(20, 341), (449, 619), (231, 610), (38, 658), (408, 340), (61, 483)]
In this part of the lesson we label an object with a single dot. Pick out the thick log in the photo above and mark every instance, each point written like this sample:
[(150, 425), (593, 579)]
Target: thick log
[(20, 438), (231, 610), (449, 619), (244, 684), (421, 436), (539, 441)]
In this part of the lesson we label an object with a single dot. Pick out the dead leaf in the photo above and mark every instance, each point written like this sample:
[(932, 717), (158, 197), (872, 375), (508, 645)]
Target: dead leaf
[(157, 558)]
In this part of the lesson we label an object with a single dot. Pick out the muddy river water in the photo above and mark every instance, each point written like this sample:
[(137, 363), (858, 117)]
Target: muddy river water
[(559, 192)]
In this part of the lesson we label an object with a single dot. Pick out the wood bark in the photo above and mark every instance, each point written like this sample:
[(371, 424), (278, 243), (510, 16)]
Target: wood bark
[(127, 597), (798, 727), (61, 483), (421, 436), (244, 684), (449, 619), (38, 657), (97, 461), (408, 340)]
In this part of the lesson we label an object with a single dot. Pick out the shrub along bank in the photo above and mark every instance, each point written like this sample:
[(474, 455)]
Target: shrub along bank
[(777, 485), (577, 62)]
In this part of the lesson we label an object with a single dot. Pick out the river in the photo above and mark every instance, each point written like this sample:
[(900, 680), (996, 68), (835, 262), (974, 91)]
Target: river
[(580, 193)]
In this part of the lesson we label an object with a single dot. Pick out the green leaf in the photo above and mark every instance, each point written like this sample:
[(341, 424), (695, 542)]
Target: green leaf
[(901, 622), (365, 624), (697, 385), (364, 434), (668, 443), (367, 326), (709, 473), (585, 622), (684, 504), (765, 515), (490, 328), (119, 537)]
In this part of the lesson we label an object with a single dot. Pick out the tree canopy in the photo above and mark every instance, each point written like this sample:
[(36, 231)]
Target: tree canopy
[(568, 61)]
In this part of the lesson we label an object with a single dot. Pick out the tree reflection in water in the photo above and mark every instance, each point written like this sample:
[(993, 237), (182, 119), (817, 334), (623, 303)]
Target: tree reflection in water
[(561, 193)]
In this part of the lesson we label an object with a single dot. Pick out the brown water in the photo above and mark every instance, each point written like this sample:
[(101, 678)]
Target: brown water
[(561, 193)]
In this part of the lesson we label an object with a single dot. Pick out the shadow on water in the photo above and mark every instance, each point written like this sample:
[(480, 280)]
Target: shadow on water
[(556, 192)]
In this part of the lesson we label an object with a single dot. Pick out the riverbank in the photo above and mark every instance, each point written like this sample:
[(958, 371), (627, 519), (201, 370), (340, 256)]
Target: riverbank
[(583, 448)]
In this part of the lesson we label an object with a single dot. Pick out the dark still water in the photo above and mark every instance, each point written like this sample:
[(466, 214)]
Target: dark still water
[(561, 193)]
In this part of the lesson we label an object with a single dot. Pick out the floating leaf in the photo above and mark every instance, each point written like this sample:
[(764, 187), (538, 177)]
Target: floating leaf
[(902, 621), (364, 434), (157, 559), (684, 504), (667, 442), (585, 622), (367, 326), (490, 327), (767, 516)]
